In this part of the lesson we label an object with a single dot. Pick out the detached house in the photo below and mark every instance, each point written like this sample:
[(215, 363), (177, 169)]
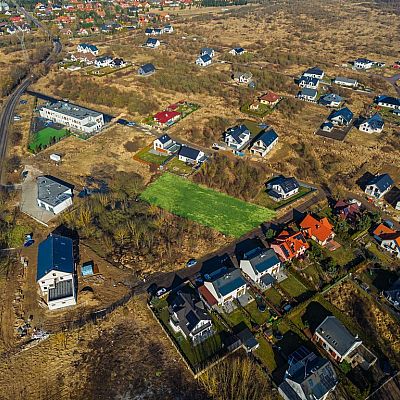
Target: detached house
[(347, 210), (373, 124), (53, 194), (308, 82), (319, 231), (314, 72), (281, 188), (342, 117), (164, 144), (152, 43), (224, 288), (237, 137), (363, 63), (270, 99), (207, 50), (307, 94), (103, 61), (190, 155), (307, 377), (188, 317), (166, 118), (264, 142), (262, 266), (388, 238), (168, 29), (388, 102), (341, 345), (331, 100), (379, 185), (237, 51), (290, 245), (204, 60), (348, 82), (56, 271), (242, 77), (146, 70)]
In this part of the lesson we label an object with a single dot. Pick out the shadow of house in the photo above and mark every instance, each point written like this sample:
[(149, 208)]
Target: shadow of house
[(384, 279), (363, 181), (314, 315), (246, 245), (358, 121), (393, 196), (215, 263)]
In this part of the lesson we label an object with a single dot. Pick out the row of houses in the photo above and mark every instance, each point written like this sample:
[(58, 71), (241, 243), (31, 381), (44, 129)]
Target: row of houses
[(88, 54), (158, 31)]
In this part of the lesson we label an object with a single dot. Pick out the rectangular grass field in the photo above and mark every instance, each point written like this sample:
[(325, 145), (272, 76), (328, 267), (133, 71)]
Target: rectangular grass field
[(224, 213), (45, 136)]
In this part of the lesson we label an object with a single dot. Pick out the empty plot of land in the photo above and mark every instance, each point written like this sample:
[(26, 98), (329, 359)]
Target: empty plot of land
[(224, 213)]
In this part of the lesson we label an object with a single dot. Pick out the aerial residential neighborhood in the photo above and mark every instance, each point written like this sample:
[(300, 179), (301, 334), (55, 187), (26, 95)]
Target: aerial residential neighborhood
[(200, 200)]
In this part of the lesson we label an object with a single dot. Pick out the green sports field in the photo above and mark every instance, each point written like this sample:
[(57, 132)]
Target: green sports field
[(44, 137), (214, 209)]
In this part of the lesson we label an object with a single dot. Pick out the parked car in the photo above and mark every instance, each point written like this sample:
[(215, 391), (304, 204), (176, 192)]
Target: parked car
[(161, 291), (191, 263), (17, 118)]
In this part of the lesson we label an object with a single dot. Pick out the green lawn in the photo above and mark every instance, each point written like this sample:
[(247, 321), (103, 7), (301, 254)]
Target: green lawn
[(262, 110), (179, 167), (294, 287), (145, 155), (265, 201), (258, 316), (224, 213), (236, 317), (44, 137), (342, 255), (265, 353), (273, 295)]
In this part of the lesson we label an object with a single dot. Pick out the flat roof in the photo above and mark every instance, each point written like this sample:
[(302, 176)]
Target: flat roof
[(72, 110), (52, 191)]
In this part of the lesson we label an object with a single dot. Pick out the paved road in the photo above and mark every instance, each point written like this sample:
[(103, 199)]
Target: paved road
[(12, 100)]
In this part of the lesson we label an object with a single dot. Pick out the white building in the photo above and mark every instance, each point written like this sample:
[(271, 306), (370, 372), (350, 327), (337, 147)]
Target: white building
[(237, 137), (314, 72), (264, 143), (363, 63), (164, 144), (73, 116), (53, 195), (388, 102), (281, 188), (262, 266), (348, 82), (379, 185), (87, 48), (374, 124), (152, 43), (56, 271), (104, 61), (190, 155), (204, 60)]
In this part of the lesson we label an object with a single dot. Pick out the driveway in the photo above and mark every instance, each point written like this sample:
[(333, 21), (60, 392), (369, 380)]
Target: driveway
[(28, 198)]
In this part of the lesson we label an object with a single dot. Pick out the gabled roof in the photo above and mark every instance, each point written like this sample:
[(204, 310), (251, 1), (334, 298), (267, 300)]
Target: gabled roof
[(267, 137), (164, 138), (152, 41), (314, 71), (287, 184), (363, 61), (331, 97), (307, 92), (228, 282), (55, 253), (337, 335), (239, 133), (270, 97), (344, 112), (205, 58), (238, 49), (388, 100), (309, 80), (382, 182), (291, 243), (375, 122), (146, 68), (206, 50), (164, 116), (346, 80), (261, 259), (321, 230), (383, 229), (189, 152)]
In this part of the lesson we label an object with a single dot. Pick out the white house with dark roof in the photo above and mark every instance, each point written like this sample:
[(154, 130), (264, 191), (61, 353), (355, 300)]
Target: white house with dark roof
[(379, 185), (388, 102), (188, 316), (146, 69), (281, 188), (342, 117), (207, 50), (314, 72), (237, 51), (103, 61), (373, 124), (308, 94), (224, 288), (190, 155), (264, 142), (363, 63), (237, 137), (87, 48), (164, 144), (204, 60), (53, 194), (152, 43), (56, 271), (330, 100), (308, 377), (336, 340), (262, 266), (308, 82), (347, 82)]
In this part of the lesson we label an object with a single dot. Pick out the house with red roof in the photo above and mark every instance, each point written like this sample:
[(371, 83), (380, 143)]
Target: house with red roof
[(290, 245), (270, 99), (347, 210), (166, 118), (388, 238), (320, 231)]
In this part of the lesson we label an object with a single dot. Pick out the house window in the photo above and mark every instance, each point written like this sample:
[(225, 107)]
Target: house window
[(44, 287), (54, 274)]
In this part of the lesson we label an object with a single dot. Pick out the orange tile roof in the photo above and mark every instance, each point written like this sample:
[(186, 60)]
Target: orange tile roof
[(383, 229), (270, 97), (321, 230), (292, 243), (207, 295)]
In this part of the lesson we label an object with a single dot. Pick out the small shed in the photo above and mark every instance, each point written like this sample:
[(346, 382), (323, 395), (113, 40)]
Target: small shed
[(89, 268)]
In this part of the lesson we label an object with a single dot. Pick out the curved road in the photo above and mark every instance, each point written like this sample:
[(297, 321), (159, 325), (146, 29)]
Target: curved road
[(12, 100)]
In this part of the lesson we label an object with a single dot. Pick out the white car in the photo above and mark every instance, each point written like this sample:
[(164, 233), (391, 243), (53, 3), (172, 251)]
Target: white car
[(161, 291), (17, 118)]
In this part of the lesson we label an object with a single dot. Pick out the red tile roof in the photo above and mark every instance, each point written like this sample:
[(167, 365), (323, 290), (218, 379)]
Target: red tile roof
[(322, 230), (270, 97), (382, 229), (291, 244), (207, 296), (164, 116)]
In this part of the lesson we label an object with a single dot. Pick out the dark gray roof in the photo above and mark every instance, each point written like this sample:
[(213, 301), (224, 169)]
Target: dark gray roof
[(247, 339), (61, 290), (376, 121), (330, 97), (147, 68), (337, 335), (52, 191), (151, 41), (309, 80), (239, 133), (72, 110), (229, 282), (164, 138), (205, 58), (345, 80), (189, 152), (382, 182), (287, 184), (261, 259), (188, 311), (314, 71), (267, 136), (308, 92), (388, 100), (344, 112), (55, 253)]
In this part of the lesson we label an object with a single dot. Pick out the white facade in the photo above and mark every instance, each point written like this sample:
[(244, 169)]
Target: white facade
[(84, 48), (373, 190), (282, 194), (363, 64), (73, 116), (153, 44), (103, 62), (196, 333), (366, 127), (59, 207), (222, 299), (345, 82), (190, 160), (255, 276), (261, 149), (392, 246), (203, 63)]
